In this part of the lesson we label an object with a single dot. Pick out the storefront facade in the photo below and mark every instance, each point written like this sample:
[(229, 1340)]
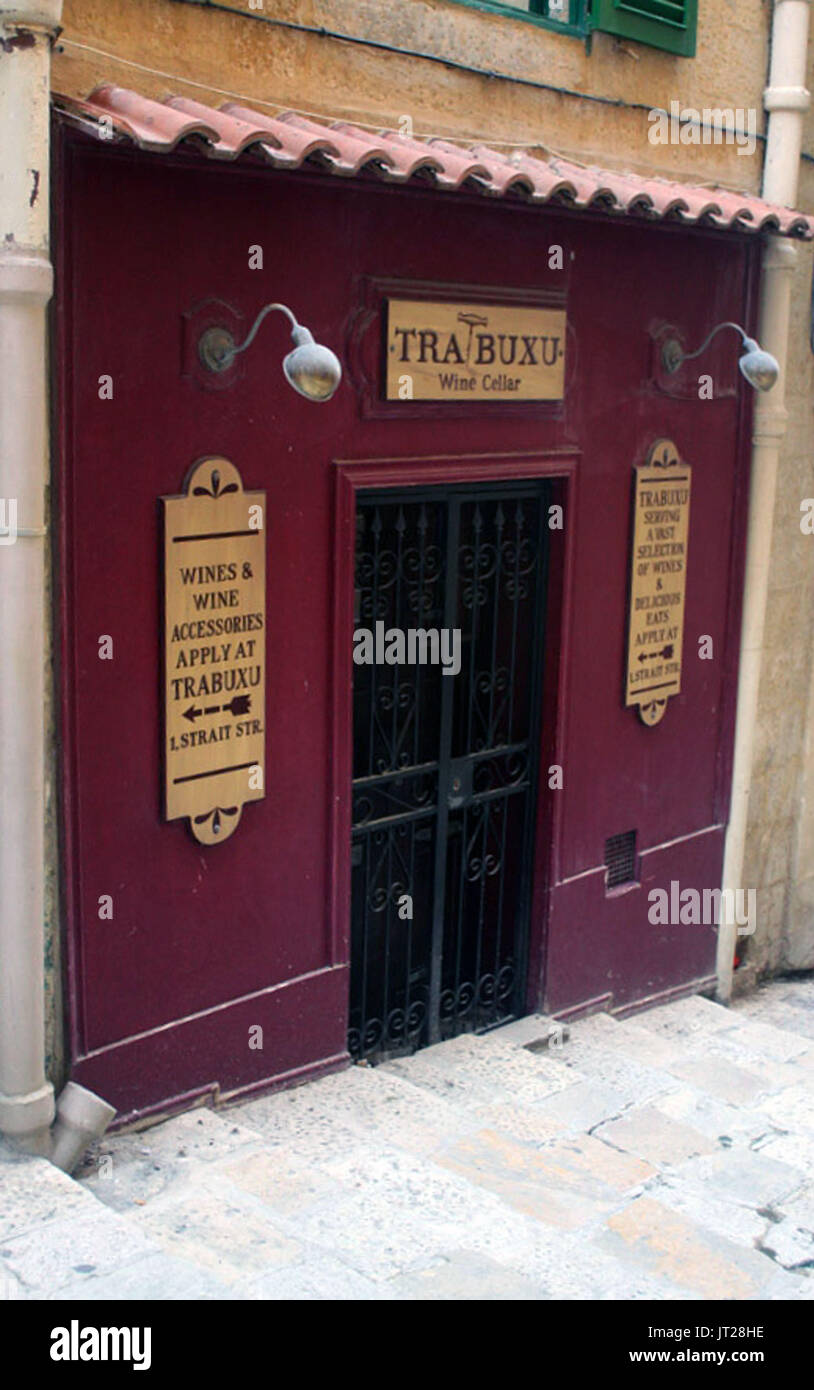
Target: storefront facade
[(572, 807), (396, 851)]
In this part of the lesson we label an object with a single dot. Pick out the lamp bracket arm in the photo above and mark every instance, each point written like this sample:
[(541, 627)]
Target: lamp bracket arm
[(252, 334), (688, 356)]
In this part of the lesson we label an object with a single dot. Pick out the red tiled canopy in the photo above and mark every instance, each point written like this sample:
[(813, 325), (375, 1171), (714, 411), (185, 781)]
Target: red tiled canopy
[(289, 141)]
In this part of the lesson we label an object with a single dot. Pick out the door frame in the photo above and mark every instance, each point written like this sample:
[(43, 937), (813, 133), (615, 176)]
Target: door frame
[(558, 465)]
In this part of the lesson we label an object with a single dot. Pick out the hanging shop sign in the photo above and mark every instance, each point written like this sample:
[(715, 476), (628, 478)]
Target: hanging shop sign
[(658, 577), (440, 351), (214, 650)]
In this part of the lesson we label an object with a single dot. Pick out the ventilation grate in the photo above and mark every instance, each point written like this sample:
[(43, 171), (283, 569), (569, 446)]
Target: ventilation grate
[(620, 859)]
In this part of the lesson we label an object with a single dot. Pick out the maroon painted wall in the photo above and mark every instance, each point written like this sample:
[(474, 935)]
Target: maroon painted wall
[(204, 942)]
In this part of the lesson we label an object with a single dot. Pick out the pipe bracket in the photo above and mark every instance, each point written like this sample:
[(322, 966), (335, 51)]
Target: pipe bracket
[(786, 99)]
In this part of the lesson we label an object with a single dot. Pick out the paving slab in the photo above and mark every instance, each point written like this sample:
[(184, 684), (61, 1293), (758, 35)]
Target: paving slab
[(627, 1036), (33, 1192), (721, 1078), (790, 1244), (582, 1106), (153, 1278), (463, 1068), (624, 1072), (729, 1126), (780, 1005), (791, 1109), (754, 1038), (535, 1125), (774, 1072), (794, 1149), (574, 1265), (590, 1156), (461, 1276), (11, 1288), (711, 1210), (555, 1185), (684, 1018), (281, 1180), (743, 1175), (223, 1236), (327, 1279), (64, 1252), (383, 1235), (654, 1136), (800, 1206), (366, 1102), (649, 1233)]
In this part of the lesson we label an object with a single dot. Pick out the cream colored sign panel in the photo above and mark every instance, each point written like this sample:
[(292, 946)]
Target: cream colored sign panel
[(474, 352), (661, 515), (214, 650)]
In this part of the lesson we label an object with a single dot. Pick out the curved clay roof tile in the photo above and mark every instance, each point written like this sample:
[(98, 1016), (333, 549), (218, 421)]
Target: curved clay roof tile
[(457, 164), (287, 140), (504, 176), (153, 124), (288, 147), (546, 182), (350, 152), (235, 134)]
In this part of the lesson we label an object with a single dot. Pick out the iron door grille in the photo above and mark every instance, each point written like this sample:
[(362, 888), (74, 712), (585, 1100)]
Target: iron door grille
[(444, 770)]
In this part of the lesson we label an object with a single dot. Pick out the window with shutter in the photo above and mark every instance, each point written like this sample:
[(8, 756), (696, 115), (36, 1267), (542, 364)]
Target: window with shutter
[(668, 24), (567, 16)]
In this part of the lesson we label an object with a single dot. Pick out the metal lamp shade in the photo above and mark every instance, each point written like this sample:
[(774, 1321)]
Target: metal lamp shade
[(310, 368), (759, 367)]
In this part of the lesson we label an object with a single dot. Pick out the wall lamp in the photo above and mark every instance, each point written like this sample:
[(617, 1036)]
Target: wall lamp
[(310, 368), (760, 368)]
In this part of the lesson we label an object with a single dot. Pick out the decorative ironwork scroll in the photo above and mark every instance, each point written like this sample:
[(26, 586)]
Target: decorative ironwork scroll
[(444, 768)]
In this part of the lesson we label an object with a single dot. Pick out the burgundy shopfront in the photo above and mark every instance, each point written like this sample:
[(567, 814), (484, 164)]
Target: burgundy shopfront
[(208, 942)]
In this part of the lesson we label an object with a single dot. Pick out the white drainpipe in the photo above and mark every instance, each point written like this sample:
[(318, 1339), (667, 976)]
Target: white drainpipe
[(27, 31), (786, 100)]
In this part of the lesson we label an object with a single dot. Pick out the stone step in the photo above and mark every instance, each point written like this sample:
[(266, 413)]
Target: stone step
[(486, 1161), (55, 1236)]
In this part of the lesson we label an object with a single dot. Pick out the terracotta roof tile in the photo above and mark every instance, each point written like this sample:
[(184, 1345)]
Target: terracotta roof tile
[(289, 140), (286, 146), (236, 133), (153, 125)]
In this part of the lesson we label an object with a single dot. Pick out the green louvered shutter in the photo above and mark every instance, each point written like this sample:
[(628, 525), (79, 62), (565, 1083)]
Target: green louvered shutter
[(666, 24)]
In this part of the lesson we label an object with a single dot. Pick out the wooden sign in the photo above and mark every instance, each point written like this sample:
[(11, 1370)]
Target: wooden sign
[(214, 650), (658, 576), (474, 352)]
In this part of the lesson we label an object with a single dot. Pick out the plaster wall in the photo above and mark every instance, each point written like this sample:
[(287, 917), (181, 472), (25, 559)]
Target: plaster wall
[(780, 845), (206, 52)]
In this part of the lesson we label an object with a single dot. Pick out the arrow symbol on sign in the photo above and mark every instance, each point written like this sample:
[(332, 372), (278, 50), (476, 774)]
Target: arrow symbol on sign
[(239, 704), (665, 653)]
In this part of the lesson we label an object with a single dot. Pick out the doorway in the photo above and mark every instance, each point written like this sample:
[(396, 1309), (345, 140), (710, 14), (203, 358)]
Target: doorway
[(445, 753)]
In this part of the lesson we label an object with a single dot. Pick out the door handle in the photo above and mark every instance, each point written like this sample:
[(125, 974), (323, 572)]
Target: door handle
[(459, 783)]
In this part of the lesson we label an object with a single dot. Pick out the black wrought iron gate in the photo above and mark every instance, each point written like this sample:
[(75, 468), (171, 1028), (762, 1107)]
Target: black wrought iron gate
[(444, 765)]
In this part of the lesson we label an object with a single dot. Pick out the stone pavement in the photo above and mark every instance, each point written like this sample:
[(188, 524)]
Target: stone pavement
[(668, 1156)]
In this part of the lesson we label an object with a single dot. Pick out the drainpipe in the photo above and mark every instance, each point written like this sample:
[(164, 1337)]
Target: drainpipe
[(27, 31), (786, 100)]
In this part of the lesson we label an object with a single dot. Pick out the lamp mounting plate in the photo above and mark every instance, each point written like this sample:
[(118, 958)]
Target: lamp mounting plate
[(216, 349), (672, 355)]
